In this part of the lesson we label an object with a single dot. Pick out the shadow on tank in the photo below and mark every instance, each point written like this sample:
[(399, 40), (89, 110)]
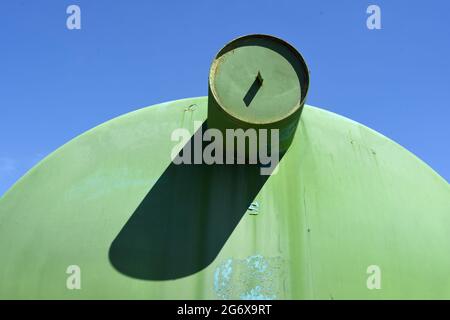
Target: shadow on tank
[(185, 219)]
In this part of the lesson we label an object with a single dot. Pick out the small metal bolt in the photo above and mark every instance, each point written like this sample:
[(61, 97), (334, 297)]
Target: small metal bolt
[(254, 208), (190, 108)]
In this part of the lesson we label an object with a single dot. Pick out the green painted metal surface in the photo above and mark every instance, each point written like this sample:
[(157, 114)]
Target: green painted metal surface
[(344, 198)]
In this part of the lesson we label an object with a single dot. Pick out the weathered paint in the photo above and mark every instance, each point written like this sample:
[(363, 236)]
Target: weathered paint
[(253, 278), (344, 198)]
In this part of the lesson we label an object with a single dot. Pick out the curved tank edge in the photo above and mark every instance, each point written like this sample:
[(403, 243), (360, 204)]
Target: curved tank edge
[(131, 113), (384, 137), (105, 123)]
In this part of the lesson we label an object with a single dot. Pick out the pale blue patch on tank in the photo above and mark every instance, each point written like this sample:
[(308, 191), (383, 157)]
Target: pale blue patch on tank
[(253, 278), (257, 262), (256, 294), (222, 276)]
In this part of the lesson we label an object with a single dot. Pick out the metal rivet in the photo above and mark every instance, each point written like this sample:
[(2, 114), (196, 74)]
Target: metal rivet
[(191, 107), (254, 208)]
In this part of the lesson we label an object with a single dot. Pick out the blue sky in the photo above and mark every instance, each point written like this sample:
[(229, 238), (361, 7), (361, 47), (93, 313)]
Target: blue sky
[(57, 83)]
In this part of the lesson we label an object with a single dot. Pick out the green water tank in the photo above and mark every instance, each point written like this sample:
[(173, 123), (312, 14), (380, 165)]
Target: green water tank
[(112, 208)]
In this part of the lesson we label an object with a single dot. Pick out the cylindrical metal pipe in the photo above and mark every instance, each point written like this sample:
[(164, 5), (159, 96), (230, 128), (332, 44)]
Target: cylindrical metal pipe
[(258, 82)]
